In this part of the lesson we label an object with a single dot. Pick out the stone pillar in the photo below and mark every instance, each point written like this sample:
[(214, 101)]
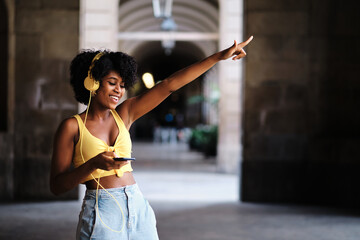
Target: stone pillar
[(301, 118), (230, 83), (99, 24), (45, 34), (7, 34), (211, 92), (98, 30)]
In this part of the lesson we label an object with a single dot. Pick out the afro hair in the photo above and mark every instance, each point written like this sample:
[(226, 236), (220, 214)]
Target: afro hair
[(119, 62)]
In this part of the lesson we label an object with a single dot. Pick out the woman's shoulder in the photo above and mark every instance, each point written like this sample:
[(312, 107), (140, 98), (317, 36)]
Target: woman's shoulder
[(66, 136), (69, 126)]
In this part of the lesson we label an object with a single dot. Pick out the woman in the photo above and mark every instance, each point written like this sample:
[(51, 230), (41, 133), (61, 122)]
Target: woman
[(113, 206)]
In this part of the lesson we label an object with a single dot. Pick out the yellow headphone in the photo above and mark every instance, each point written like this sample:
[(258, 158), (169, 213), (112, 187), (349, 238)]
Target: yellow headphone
[(90, 83)]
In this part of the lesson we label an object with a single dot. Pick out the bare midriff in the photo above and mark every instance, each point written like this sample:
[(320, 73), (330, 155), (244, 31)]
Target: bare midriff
[(112, 181)]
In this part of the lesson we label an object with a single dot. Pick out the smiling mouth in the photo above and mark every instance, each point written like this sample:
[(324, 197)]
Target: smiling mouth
[(115, 98)]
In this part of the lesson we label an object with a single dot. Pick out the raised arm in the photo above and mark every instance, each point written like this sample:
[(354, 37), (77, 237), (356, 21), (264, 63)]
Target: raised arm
[(136, 107)]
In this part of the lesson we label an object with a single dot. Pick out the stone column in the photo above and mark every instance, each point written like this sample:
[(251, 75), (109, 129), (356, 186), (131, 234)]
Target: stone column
[(45, 34), (99, 24), (98, 30), (230, 83)]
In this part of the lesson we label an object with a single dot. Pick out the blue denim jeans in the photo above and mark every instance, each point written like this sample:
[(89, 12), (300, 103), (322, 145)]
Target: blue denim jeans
[(134, 219)]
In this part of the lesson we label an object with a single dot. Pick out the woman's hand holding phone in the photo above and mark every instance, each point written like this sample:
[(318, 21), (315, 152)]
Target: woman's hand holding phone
[(108, 161)]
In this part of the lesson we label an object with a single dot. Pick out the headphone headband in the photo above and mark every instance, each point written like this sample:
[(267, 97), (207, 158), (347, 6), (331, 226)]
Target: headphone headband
[(90, 83), (97, 57)]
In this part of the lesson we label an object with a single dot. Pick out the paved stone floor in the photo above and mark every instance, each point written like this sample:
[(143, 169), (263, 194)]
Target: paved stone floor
[(191, 201)]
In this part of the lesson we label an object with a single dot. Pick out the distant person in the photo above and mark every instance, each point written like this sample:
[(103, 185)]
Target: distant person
[(96, 140)]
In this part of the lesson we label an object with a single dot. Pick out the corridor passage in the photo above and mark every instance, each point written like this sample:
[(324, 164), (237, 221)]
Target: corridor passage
[(192, 202)]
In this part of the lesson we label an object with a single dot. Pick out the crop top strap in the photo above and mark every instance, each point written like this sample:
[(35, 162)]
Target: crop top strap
[(79, 120), (117, 118)]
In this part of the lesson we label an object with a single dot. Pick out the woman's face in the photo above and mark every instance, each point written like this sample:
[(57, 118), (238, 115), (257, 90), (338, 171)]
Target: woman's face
[(112, 88)]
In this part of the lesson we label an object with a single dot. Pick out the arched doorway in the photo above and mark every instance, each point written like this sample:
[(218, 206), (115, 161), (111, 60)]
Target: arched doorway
[(176, 111), (141, 35), (209, 25)]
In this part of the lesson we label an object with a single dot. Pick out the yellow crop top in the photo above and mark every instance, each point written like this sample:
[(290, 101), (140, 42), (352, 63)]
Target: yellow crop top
[(92, 146)]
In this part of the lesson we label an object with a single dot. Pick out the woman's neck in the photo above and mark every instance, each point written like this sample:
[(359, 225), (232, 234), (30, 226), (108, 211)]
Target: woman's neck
[(98, 113)]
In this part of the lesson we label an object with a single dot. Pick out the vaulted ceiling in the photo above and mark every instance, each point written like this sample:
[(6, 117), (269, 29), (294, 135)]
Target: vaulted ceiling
[(189, 15)]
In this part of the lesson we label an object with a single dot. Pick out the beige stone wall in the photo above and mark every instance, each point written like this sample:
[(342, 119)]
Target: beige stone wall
[(229, 147), (301, 120), (46, 41)]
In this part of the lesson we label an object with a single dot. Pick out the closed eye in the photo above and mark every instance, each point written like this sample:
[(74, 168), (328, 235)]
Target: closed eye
[(112, 84)]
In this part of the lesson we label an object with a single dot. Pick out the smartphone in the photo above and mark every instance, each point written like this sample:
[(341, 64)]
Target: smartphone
[(124, 159)]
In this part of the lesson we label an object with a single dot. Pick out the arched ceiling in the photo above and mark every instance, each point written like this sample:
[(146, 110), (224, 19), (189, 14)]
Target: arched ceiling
[(189, 15)]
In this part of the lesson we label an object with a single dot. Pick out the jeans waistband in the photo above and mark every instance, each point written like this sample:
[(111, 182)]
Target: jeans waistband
[(116, 192)]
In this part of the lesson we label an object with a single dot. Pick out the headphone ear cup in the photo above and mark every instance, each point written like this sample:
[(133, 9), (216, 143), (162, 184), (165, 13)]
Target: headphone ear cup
[(91, 84)]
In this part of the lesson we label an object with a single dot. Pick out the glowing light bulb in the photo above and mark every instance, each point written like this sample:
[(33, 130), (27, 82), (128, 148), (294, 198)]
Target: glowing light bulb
[(148, 80)]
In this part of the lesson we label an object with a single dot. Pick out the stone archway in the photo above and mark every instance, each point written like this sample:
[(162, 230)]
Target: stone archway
[(212, 25)]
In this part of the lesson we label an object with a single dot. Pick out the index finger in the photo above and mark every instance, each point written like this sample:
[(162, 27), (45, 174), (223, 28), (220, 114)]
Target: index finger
[(243, 44)]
